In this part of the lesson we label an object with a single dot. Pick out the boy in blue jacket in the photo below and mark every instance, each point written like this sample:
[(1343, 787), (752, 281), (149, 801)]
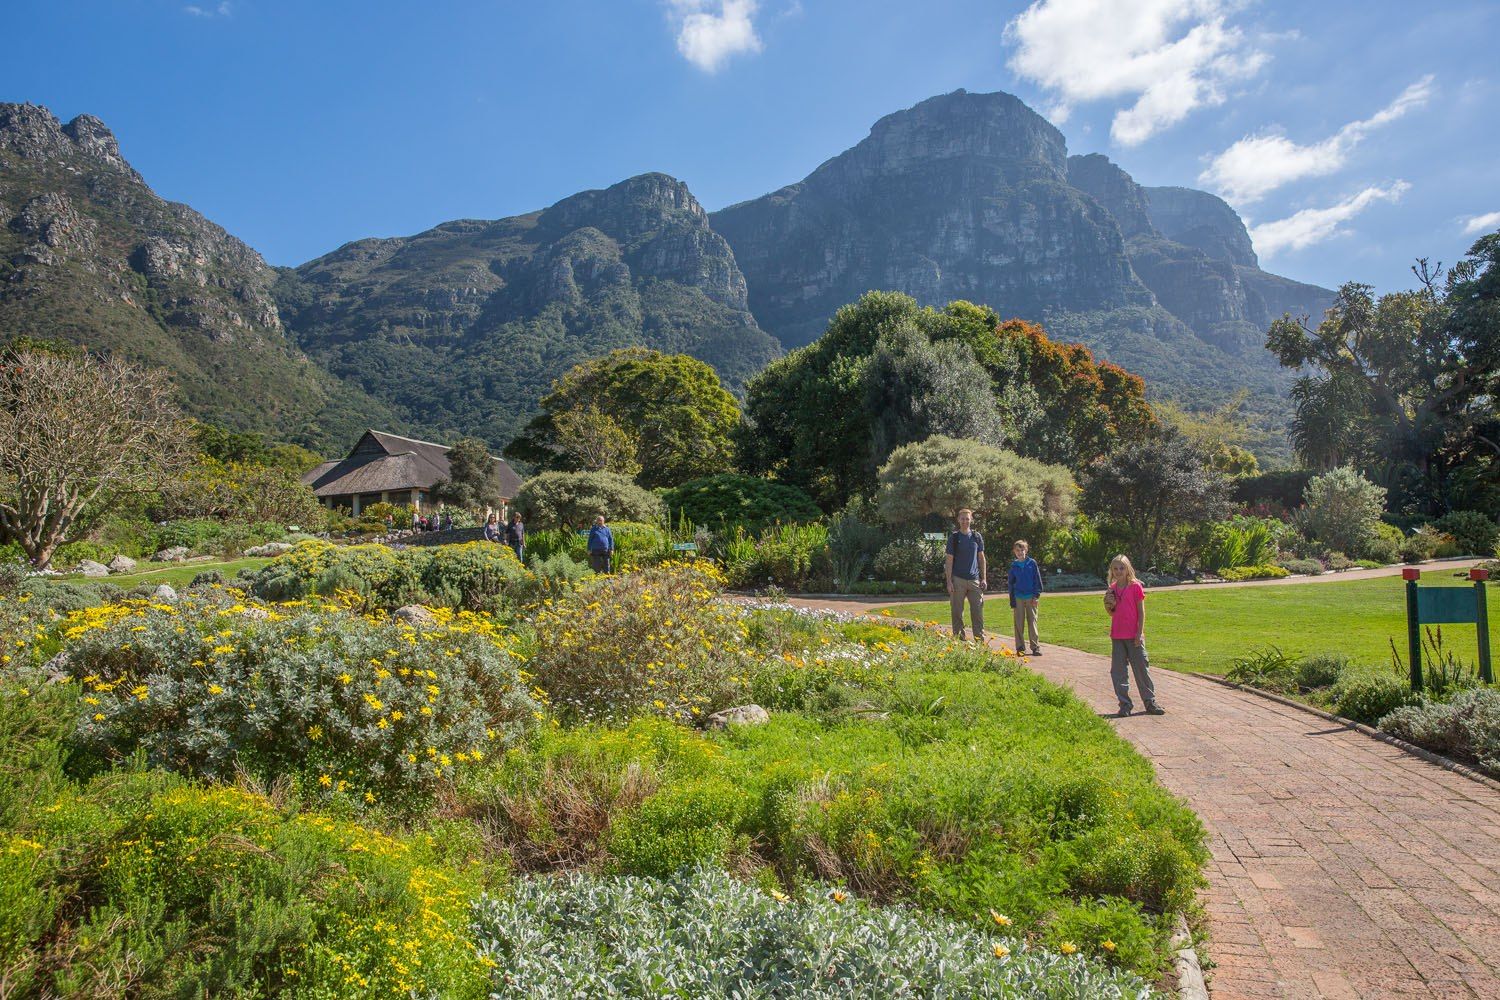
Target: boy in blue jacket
[(1025, 585)]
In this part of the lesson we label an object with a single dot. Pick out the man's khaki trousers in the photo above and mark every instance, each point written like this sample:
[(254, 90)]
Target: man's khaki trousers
[(967, 590)]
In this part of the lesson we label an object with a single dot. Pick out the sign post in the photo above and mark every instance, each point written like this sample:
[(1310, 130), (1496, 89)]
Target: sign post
[(1444, 605)]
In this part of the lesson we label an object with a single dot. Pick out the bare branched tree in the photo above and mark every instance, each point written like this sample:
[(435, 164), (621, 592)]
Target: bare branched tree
[(73, 428)]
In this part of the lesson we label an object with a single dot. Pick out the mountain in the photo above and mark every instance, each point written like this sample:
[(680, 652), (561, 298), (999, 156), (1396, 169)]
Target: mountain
[(89, 254), (462, 328), (974, 196)]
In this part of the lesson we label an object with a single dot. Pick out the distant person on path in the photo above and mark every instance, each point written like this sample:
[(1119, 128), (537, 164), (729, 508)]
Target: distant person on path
[(1025, 586), (967, 570), (445, 523), (492, 530), (1125, 600), (515, 535), (601, 546)]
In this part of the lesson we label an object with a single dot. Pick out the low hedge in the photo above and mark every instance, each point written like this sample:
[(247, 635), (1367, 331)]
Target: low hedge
[(478, 576)]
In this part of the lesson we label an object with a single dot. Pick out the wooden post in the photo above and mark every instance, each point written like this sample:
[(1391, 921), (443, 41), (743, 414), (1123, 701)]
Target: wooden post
[(1413, 629), (1482, 623)]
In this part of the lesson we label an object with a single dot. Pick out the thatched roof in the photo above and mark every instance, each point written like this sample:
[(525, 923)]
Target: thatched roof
[(381, 462)]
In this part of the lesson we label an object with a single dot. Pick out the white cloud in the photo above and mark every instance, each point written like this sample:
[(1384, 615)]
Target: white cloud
[(222, 10), (710, 31), (1258, 164), (1482, 223), (1171, 56), (1314, 225)]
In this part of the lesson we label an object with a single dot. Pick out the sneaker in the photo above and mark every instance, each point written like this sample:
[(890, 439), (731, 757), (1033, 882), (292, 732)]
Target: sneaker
[(1036, 652), (1155, 710), (1123, 713), (1020, 651)]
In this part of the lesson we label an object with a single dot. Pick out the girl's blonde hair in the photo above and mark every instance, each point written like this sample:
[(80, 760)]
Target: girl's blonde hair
[(1122, 563)]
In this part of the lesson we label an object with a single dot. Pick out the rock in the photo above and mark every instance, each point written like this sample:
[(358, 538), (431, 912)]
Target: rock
[(90, 568), (121, 564), (742, 715), (269, 549), (415, 614), (176, 553), (164, 594), (256, 612)]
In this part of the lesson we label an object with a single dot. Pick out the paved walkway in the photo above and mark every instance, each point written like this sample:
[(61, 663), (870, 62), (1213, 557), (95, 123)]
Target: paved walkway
[(1342, 866)]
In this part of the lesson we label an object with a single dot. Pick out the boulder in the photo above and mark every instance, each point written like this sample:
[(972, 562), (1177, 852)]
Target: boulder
[(256, 612), (176, 553), (121, 564), (415, 614), (90, 568), (269, 549), (164, 594), (742, 715)]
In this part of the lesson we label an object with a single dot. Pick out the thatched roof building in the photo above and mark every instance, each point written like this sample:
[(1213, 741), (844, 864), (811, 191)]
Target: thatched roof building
[(385, 468)]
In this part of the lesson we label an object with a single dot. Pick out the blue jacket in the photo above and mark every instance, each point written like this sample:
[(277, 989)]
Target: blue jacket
[(1024, 579), (601, 539)]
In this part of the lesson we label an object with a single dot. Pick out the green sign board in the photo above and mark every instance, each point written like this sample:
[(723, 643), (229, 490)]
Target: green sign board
[(1445, 606)]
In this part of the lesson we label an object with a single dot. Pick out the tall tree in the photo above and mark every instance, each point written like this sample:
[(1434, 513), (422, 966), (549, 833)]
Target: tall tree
[(596, 442), (1404, 386), (473, 480), (75, 428), (1152, 486), (675, 407), (888, 372)]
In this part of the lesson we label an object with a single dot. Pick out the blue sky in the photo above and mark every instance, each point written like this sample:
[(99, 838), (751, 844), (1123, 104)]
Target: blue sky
[(1354, 136)]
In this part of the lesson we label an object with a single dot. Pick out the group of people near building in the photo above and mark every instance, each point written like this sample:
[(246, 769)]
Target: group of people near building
[(967, 572), (601, 544)]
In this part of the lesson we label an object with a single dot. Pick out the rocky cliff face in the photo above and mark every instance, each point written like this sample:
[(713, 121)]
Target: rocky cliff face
[(89, 254), (486, 314), (964, 196), (973, 196)]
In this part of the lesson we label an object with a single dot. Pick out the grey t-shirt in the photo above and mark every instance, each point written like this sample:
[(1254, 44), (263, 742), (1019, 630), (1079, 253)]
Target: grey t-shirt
[(965, 551)]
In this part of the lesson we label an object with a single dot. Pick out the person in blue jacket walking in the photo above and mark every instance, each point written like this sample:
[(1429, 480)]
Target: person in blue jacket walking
[(601, 546), (1025, 585)]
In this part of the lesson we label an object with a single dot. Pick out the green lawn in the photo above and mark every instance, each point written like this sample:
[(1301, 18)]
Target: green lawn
[(173, 574), (1202, 631)]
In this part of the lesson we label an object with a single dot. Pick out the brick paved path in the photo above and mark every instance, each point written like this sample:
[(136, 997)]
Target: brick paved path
[(1342, 866)]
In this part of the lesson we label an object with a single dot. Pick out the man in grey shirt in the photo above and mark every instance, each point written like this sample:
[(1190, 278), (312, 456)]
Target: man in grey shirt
[(967, 572)]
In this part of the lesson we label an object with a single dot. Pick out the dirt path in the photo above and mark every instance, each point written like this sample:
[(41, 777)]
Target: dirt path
[(1342, 866)]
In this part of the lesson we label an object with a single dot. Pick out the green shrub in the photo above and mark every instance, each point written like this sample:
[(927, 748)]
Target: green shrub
[(1341, 510), (1302, 567), (183, 890), (1321, 671), (363, 709), (786, 554), (548, 542), (1384, 546), (553, 576), (1337, 562), (63, 595), (910, 560), (704, 934), (71, 554), (1074, 581), (477, 576), (656, 640), (1082, 549), (1466, 728), (564, 499), (730, 499), (638, 544), (208, 578), (1268, 668), (1473, 533), (1421, 545), (1267, 572), (1370, 699)]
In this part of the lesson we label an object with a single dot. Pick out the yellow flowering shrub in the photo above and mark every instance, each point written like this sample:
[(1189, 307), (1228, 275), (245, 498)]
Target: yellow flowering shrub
[(226, 895), (362, 707), (657, 640)]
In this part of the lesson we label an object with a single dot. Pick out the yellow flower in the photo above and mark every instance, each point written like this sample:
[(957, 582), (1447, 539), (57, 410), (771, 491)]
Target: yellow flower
[(1000, 919), (98, 717), (315, 732), (345, 678), (1108, 946), (325, 780), (215, 689), (778, 895), (837, 896), (1001, 951), (1067, 947)]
